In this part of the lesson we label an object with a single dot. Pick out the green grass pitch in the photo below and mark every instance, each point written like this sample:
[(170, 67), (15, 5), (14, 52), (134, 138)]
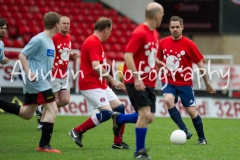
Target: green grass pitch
[(19, 138)]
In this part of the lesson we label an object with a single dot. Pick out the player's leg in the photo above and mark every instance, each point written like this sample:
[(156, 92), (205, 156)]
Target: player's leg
[(170, 94), (25, 112), (47, 99), (97, 99), (39, 112), (62, 90), (189, 102), (141, 103), (119, 119)]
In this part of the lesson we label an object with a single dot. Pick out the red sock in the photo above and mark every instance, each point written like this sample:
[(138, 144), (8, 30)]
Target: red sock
[(88, 124), (118, 139)]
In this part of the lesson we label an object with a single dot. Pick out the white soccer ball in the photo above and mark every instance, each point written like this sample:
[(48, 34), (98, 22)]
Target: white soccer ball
[(178, 137)]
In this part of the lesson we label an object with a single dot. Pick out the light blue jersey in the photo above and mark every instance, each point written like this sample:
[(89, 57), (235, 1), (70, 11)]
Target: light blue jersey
[(1, 51), (40, 54)]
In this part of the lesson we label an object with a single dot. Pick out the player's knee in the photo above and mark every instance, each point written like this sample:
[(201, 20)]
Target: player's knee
[(104, 115), (151, 118), (169, 101), (120, 108)]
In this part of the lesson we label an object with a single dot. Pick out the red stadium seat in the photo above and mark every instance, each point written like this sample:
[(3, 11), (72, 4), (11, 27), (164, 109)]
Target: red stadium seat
[(21, 22), (76, 45), (26, 37), (17, 15), (27, 16), (116, 47), (119, 56), (106, 47), (18, 43), (13, 8), (112, 40), (40, 3), (29, 2), (11, 22), (6, 15), (8, 42), (37, 16), (13, 32), (44, 9), (3, 8), (23, 9), (50, 3), (76, 31), (23, 30), (35, 30), (87, 32), (80, 38)]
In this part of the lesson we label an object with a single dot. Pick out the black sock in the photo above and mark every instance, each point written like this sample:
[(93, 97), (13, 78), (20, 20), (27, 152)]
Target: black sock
[(176, 117), (10, 107), (197, 122), (47, 129)]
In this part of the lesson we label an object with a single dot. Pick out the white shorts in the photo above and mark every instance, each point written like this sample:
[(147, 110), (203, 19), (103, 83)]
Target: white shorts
[(97, 98), (58, 84)]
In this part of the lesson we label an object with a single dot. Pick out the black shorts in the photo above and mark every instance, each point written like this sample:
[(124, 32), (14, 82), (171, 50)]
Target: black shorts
[(142, 98), (46, 96)]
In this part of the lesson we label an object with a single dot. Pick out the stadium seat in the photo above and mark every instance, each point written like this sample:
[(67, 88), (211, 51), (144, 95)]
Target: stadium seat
[(37, 16), (23, 29), (35, 30), (23, 9), (106, 47), (17, 16), (40, 3), (13, 8), (21, 22), (29, 3), (76, 45), (8, 42), (13, 32), (26, 37), (44, 9), (18, 43), (11, 22), (27, 16)]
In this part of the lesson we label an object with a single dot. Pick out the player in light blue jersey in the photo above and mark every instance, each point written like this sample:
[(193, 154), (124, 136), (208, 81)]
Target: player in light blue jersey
[(37, 60), (3, 29)]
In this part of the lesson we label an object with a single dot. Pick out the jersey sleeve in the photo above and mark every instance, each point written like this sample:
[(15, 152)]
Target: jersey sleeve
[(31, 48), (135, 42), (160, 51), (196, 54), (95, 52)]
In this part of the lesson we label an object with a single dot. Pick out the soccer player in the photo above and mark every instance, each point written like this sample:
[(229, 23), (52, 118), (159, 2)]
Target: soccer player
[(3, 28), (140, 58), (37, 60), (92, 84), (179, 53), (60, 83)]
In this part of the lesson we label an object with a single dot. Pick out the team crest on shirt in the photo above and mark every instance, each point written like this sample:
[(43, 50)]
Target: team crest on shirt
[(150, 52), (173, 61), (64, 50), (102, 99)]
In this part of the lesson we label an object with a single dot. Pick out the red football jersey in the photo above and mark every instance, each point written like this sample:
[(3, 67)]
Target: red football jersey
[(61, 59), (179, 56), (92, 50), (143, 43)]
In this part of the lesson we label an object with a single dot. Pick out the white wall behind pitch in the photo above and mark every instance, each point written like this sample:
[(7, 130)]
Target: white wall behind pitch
[(134, 9)]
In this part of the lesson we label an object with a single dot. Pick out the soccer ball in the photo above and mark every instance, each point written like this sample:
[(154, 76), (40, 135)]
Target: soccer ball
[(178, 137)]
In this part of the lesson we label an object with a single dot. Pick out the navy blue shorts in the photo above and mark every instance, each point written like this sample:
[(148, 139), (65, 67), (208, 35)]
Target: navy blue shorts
[(142, 98), (186, 94)]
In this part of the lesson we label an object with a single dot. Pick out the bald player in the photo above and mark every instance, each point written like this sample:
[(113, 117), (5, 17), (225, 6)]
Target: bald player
[(140, 55)]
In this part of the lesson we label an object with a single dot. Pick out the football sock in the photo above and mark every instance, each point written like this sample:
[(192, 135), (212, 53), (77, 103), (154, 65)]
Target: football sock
[(118, 139), (127, 118), (197, 122), (10, 107), (47, 129), (176, 117), (140, 138), (88, 124)]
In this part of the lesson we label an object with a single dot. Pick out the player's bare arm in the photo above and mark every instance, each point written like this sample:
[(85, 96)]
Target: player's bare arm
[(26, 68), (108, 77), (128, 57), (209, 88)]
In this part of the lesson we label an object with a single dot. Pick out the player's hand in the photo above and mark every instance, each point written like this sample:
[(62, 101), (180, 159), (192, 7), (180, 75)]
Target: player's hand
[(139, 85), (5, 60), (32, 77), (74, 56), (160, 64), (210, 90), (118, 84)]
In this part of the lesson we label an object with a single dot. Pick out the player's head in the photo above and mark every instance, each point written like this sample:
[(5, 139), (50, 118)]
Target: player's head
[(103, 26), (3, 27), (51, 21), (64, 25), (154, 12), (176, 27)]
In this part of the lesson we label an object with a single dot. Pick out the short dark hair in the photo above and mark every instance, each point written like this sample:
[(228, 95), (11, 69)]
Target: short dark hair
[(51, 19), (3, 21), (103, 23), (176, 18)]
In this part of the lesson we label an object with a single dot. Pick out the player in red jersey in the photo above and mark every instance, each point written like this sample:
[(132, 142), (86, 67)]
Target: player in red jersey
[(94, 88), (179, 53), (60, 82), (140, 56)]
